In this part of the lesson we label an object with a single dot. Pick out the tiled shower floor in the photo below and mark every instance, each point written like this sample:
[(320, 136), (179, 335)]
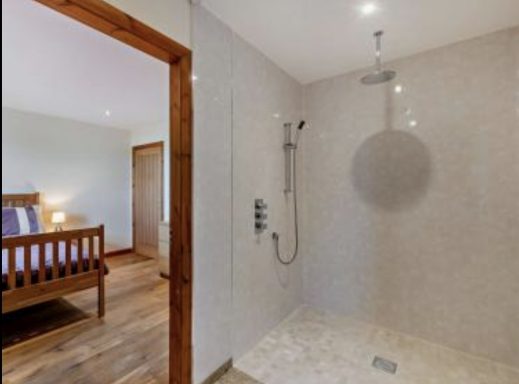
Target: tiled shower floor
[(235, 376), (317, 348)]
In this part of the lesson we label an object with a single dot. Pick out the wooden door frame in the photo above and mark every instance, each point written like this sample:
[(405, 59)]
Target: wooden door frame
[(103, 17), (135, 149)]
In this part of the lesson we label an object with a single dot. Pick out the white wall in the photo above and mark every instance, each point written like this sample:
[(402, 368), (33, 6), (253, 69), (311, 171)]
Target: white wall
[(417, 228), (79, 168), (171, 17), (212, 44), (241, 291), (264, 291), (152, 134)]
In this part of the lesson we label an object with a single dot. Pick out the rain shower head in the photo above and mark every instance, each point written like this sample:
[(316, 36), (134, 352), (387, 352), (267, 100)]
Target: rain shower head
[(380, 75)]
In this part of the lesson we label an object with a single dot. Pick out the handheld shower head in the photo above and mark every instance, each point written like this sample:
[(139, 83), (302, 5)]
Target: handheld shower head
[(300, 127)]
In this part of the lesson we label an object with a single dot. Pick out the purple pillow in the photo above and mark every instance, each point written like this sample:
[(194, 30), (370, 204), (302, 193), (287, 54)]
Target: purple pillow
[(19, 221)]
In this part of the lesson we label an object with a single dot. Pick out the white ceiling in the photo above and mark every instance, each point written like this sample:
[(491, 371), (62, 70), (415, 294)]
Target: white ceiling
[(315, 39), (56, 66)]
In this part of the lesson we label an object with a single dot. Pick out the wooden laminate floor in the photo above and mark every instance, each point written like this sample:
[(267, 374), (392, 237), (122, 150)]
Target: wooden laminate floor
[(130, 345)]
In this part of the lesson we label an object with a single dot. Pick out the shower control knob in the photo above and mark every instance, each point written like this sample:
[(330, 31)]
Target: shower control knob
[(260, 216)]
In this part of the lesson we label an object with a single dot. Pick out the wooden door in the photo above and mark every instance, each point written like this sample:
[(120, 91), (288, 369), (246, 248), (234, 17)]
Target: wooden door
[(148, 171)]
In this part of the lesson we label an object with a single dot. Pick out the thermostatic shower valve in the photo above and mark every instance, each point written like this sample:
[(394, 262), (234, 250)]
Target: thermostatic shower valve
[(260, 216)]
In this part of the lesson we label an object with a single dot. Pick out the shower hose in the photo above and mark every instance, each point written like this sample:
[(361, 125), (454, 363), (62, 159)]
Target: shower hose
[(292, 257)]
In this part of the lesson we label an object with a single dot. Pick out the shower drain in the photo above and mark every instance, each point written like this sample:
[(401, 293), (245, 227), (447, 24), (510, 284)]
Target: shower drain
[(385, 365)]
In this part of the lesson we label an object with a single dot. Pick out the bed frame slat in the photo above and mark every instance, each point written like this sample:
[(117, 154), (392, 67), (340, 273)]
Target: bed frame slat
[(27, 270), (68, 258), (11, 278), (42, 272), (80, 255), (55, 259), (90, 253)]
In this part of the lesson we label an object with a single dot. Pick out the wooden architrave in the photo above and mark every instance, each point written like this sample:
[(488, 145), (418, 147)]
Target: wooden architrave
[(101, 16)]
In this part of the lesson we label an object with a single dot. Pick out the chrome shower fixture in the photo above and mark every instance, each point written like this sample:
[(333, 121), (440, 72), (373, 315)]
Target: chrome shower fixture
[(290, 148), (290, 145), (380, 75)]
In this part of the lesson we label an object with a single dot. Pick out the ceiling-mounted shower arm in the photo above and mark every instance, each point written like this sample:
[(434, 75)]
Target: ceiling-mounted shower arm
[(379, 75), (378, 50)]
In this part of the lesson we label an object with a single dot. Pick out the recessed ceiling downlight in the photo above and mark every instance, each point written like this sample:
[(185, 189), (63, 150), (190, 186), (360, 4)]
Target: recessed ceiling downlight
[(368, 8)]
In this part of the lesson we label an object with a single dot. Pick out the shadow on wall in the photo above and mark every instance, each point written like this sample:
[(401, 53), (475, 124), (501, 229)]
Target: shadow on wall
[(391, 170)]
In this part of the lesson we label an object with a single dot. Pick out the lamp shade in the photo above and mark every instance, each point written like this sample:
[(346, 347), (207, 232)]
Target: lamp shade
[(58, 217)]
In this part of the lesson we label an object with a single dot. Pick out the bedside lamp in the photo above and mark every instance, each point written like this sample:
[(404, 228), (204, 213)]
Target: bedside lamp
[(58, 219)]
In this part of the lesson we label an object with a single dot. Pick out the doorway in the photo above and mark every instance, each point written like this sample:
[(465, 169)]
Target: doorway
[(148, 197), (107, 19)]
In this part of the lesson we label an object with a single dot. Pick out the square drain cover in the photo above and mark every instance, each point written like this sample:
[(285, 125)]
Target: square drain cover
[(385, 365)]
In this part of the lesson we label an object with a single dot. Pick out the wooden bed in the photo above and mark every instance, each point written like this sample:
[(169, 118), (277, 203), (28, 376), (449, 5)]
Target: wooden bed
[(88, 272)]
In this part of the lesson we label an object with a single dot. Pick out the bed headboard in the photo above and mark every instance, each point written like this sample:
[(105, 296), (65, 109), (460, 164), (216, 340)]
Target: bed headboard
[(20, 199)]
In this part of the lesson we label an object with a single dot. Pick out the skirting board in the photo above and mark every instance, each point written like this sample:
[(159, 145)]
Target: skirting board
[(216, 375)]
